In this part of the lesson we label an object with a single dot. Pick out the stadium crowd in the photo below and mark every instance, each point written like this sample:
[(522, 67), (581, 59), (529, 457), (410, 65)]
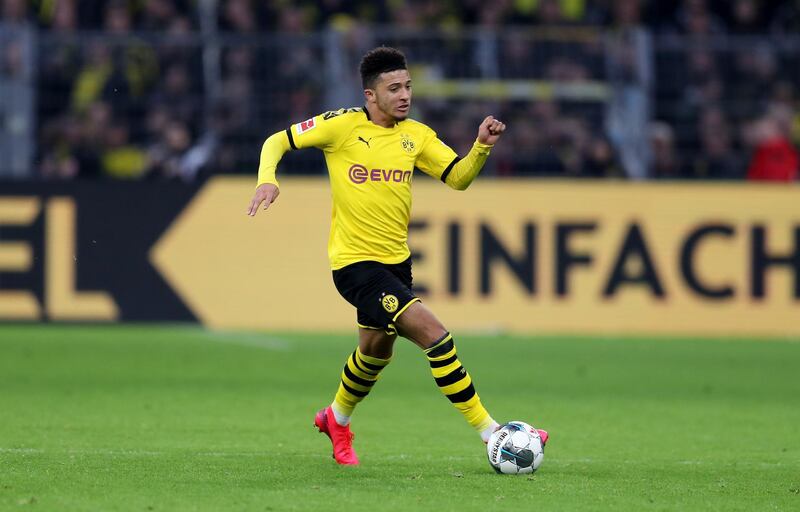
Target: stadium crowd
[(123, 91)]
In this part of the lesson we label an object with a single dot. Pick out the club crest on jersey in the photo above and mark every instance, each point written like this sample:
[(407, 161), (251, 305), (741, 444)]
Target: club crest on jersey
[(407, 144), (306, 125)]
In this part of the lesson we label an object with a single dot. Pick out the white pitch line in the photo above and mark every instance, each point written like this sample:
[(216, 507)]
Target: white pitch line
[(400, 456), (141, 453), (248, 339), (21, 450)]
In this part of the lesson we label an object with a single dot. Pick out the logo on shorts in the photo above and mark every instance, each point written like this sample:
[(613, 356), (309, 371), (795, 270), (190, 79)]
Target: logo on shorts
[(390, 303)]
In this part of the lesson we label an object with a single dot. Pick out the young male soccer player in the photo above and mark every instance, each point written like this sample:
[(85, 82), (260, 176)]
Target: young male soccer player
[(371, 153)]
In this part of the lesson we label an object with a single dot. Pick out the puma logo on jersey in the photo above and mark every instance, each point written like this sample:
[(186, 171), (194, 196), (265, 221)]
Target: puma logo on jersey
[(365, 141)]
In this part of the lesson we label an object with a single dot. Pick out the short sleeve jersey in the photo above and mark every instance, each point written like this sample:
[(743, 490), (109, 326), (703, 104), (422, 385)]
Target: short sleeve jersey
[(371, 169)]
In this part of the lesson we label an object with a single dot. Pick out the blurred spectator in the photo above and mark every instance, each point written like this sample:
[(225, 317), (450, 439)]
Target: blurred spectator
[(535, 147), (14, 12), (746, 19), (61, 138), (549, 13), (64, 16), (175, 90), (600, 160), (11, 63), (756, 71), (59, 62), (667, 164), (205, 105), (158, 14), (166, 156), (694, 17), (517, 56), (626, 13), (552, 12), (774, 158), (717, 158), (118, 74), (121, 74), (73, 143), (117, 18), (704, 80), (239, 16), (120, 158)]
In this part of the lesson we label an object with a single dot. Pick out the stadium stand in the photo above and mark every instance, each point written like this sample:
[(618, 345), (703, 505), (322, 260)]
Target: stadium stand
[(179, 89)]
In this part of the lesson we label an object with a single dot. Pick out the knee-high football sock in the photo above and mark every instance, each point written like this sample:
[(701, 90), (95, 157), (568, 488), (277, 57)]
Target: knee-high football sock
[(358, 376), (454, 381)]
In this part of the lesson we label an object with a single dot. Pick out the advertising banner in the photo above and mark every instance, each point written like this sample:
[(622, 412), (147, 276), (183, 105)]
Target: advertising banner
[(519, 256)]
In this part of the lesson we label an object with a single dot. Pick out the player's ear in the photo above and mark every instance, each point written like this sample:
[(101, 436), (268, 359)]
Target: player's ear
[(369, 95)]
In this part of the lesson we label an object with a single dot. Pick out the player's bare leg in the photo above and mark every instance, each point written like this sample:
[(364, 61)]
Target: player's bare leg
[(420, 325), (360, 372), (376, 343)]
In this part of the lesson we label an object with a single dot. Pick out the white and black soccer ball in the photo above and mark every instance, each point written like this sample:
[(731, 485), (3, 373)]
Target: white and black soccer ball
[(515, 448)]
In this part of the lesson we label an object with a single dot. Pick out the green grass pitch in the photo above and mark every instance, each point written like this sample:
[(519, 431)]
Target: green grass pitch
[(177, 418)]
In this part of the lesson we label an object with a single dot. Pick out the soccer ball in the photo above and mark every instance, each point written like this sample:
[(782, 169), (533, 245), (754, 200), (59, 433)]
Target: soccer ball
[(515, 448)]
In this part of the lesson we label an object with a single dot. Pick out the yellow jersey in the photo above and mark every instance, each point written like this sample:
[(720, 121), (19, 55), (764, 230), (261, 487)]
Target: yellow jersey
[(371, 169)]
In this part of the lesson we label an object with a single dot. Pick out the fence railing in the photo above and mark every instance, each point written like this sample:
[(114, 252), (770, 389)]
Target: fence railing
[(17, 98), (579, 102)]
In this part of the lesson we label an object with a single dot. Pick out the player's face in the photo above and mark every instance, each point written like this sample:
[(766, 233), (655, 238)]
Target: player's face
[(393, 93)]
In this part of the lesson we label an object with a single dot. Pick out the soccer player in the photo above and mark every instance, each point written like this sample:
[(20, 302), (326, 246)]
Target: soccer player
[(371, 153)]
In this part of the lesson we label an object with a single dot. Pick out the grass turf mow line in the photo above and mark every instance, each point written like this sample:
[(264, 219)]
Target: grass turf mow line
[(177, 418)]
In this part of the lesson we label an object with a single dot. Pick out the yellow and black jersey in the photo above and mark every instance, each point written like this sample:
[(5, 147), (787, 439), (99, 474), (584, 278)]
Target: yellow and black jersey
[(371, 169)]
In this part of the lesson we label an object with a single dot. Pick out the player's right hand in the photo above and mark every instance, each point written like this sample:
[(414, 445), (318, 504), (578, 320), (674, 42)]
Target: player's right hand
[(266, 193)]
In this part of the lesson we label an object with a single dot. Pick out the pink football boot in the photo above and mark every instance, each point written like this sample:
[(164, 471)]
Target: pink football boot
[(341, 437)]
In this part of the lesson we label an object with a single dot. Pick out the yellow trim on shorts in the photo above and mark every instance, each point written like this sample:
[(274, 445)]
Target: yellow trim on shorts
[(390, 329), (415, 299)]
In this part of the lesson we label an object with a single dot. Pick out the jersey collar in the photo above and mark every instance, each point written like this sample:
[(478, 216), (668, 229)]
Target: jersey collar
[(366, 113)]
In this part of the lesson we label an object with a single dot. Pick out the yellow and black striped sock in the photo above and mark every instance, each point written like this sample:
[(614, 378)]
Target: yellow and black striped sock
[(358, 376), (456, 384)]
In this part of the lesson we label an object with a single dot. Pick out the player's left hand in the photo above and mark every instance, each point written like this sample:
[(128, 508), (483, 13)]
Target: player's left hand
[(489, 130)]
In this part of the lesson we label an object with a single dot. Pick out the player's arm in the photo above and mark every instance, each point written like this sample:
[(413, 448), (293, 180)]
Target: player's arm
[(441, 162), (314, 132), (465, 170), (267, 188)]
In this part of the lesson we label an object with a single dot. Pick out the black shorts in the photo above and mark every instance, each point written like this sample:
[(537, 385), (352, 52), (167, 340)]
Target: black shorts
[(380, 292)]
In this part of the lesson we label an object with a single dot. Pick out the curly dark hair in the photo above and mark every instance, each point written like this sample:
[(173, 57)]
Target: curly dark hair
[(380, 60)]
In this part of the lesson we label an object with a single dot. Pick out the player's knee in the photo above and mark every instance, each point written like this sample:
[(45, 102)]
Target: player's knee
[(421, 326), (428, 333), (434, 333), (376, 343)]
